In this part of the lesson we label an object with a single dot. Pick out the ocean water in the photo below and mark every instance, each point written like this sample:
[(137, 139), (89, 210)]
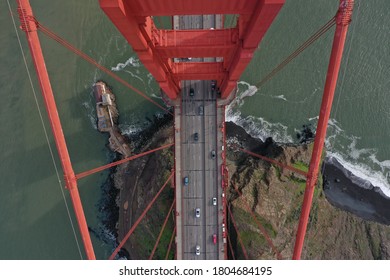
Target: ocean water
[(34, 220)]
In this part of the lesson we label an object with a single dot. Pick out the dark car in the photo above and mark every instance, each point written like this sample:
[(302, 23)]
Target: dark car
[(212, 154), (213, 85), (192, 92), (196, 136)]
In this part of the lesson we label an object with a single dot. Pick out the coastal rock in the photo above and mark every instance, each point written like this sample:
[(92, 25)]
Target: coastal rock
[(273, 195)]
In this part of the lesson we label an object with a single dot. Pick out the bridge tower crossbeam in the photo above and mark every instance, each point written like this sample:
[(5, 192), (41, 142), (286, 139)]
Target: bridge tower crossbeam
[(157, 48)]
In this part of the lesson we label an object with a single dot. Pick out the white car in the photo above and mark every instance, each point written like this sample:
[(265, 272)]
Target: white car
[(197, 212), (214, 201), (197, 250)]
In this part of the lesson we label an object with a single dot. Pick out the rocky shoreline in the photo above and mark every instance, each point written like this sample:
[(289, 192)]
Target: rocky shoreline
[(274, 194), (355, 195)]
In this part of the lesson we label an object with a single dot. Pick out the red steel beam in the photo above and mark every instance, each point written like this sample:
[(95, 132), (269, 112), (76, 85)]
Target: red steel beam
[(209, 43), (170, 243), (343, 18), (252, 30), (296, 170), (112, 164), (230, 246), (162, 230), (137, 31), (156, 48), (29, 25), (238, 234), (198, 71), (185, 7), (259, 225)]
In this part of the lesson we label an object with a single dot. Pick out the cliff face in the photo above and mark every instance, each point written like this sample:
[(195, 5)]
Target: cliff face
[(276, 196), (138, 181)]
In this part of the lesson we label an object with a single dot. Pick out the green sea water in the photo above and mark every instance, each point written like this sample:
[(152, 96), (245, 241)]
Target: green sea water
[(34, 221)]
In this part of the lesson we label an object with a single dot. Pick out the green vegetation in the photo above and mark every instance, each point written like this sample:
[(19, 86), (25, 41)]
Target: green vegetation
[(301, 166), (146, 234)]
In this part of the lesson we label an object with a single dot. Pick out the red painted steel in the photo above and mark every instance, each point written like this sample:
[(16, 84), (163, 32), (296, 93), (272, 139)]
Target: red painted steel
[(252, 30), (89, 59), (259, 225), (230, 246), (238, 234), (296, 170), (170, 243), (29, 25), (157, 48), (162, 229), (112, 164), (138, 31), (343, 19)]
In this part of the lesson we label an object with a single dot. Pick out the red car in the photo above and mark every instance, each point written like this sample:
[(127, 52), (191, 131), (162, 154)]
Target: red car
[(214, 238)]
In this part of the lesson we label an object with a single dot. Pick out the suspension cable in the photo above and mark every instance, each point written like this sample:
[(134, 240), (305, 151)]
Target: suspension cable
[(162, 229), (130, 232), (260, 226), (343, 78), (230, 246), (291, 168), (170, 243), (238, 234), (76, 51), (45, 132), (298, 51), (115, 163)]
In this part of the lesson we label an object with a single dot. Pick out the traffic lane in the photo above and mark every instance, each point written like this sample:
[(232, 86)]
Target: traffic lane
[(193, 238)]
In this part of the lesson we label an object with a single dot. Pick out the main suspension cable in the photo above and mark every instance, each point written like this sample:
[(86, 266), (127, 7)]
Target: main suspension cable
[(45, 133), (76, 51), (238, 234), (298, 51)]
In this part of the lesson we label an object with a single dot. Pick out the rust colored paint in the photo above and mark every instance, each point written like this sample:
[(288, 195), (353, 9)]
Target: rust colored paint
[(156, 48), (29, 25), (343, 19)]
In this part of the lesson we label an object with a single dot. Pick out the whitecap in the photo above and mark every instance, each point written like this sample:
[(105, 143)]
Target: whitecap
[(132, 61), (362, 174)]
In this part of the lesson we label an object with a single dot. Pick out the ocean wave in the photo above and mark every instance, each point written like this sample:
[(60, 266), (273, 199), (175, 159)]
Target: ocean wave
[(280, 97), (132, 61), (255, 126), (362, 174), (362, 163), (90, 112), (259, 127), (129, 129)]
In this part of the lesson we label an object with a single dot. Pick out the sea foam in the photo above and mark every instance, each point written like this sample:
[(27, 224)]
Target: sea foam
[(362, 163)]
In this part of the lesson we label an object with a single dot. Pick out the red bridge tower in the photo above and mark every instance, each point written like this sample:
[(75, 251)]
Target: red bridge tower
[(156, 48)]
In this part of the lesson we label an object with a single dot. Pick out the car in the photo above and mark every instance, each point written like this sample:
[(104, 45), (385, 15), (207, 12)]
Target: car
[(213, 85), (201, 110), (197, 250), (214, 238), (213, 154), (197, 212), (192, 92), (186, 181), (196, 136), (214, 201)]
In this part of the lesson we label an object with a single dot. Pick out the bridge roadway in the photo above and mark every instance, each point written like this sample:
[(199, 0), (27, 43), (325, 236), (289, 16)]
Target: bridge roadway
[(198, 114)]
